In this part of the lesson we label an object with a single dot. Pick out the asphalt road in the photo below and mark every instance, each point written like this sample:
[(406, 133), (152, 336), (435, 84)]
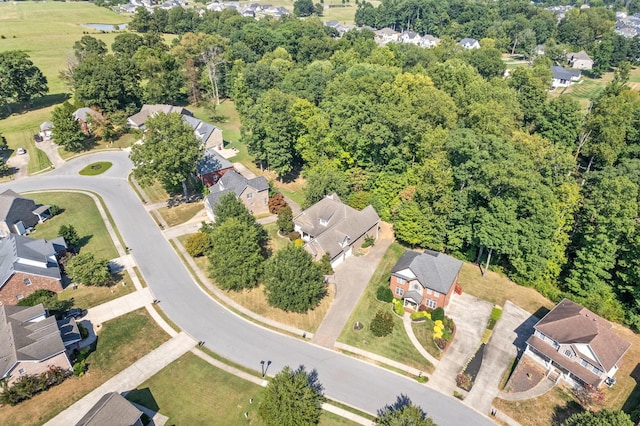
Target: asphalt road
[(345, 379)]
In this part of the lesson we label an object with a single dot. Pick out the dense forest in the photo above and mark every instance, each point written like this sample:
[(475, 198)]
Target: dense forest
[(460, 159)]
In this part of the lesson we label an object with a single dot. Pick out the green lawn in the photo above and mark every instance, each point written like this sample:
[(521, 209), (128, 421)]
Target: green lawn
[(96, 168), (89, 296), (396, 345), (178, 215), (121, 342), (81, 212), (276, 242), (155, 193), (192, 391), (423, 331), (124, 141)]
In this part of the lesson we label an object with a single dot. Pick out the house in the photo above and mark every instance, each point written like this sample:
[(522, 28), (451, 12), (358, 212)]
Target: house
[(425, 280), (429, 41), (210, 135), (212, 167), (386, 35), (19, 214), (539, 49), (469, 43), (31, 341), (410, 37), (27, 265), (82, 115), (112, 409), (254, 193), (45, 130), (334, 228), (562, 77), (577, 346), (580, 60)]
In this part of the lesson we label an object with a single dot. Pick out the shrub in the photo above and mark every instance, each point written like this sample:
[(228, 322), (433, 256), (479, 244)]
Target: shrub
[(382, 324), (84, 333), (198, 244), (325, 264), (449, 324), (398, 308), (299, 242), (54, 210), (295, 235), (437, 314), (496, 313), (447, 335), (384, 294), (458, 395), (588, 396), (422, 379), (276, 203), (369, 241), (30, 384), (285, 220), (420, 316), (464, 381)]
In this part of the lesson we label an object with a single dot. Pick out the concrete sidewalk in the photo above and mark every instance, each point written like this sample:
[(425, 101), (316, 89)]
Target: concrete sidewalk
[(119, 306), (129, 378)]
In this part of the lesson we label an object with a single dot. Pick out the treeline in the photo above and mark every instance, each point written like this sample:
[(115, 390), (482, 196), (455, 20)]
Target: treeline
[(455, 156)]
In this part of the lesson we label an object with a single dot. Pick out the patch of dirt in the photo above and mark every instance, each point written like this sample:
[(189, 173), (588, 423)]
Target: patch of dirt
[(526, 376)]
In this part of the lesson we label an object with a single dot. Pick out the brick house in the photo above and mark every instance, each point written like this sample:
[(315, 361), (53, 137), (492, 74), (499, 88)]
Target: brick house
[(84, 117), (332, 227), (254, 193), (18, 214), (31, 341), (424, 280), (577, 346), (27, 265), (212, 167)]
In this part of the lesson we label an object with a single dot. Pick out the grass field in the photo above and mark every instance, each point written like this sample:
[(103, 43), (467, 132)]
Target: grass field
[(155, 193), (81, 212), (121, 342), (192, 391), (96, 168), (89, 296), (124, 141), (396, 345), (423, 331)]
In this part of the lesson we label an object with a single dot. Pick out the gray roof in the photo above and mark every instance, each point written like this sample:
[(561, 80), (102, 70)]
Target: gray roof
[(111, 410), (22, 339), (69, 331), (212, 162), (579, 55), (467, 41), (432, 269), (83, 113), (561, 73), (233, 181), (47, 125), (24, 254), (413, 295), (15, 208), (202, 129), (147, 110)]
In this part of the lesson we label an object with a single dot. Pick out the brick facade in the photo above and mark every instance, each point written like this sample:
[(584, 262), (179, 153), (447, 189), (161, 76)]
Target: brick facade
[(440, 300), (210, 179), (16, 286), (61, 360)]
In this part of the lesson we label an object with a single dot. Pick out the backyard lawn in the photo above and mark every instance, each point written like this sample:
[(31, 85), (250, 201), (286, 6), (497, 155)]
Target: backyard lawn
[(80, 211), (396, 345), (121, 342), (89, 296)]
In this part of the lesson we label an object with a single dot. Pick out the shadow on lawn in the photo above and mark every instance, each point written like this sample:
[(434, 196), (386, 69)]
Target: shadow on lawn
[(143, 397), (633, 401), (562, 412)]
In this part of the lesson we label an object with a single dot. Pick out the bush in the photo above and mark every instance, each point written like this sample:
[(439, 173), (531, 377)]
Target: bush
[(369, 241), (422, 379), (293, 236), (437, 314), (496, 313), (398, 308), (198, 244), (420, 316), (276, 203), (588, 396), (299, 242), (84, 333), (464, 381), (382, 324), (88, 270), (458, 395), (285, 220), (30, 384), (325, 264), (384, 294), (55, 210)]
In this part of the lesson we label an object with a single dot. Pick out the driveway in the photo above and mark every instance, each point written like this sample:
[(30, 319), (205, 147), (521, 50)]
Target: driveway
[(351, 278), (470, 315), (508, 341), (51, 149), (19, 165)]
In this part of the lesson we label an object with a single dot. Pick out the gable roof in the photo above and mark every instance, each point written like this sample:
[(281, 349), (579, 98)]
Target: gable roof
[(571, 324), (232, 181), (561, 73), (201, 129), (467, 41), (582, 55), (47, 125), (83, 113), (26, 336), (212, 162), (112, 409), (8, 201), (148, 110), (432, 269), (24, 254)]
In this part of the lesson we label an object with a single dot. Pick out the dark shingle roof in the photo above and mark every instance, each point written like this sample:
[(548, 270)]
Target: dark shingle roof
[(212, 162), (432, 269), (111, 410), (24, 254), (561, 73), (233, 181)]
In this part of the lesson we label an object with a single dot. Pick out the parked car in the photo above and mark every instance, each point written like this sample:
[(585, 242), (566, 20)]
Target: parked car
[(21, 151), (75, 313), (37, 138)]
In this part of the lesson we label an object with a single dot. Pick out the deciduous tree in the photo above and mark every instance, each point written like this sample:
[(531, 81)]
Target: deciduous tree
[(21, 80), (403, 412), (86, 269), (66, 130)]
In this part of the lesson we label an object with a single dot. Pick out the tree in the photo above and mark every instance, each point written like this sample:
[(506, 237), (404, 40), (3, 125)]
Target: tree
[(292, 281), (86, 269), (198, 244), (49, 299), (322, 181), (292, 398), (127, 44), (302, 8), (21, 80), (285, 220), (382, 324), (403, 412), (601, 418), (88, 46), (235, 261), (70, 235), (66, 130), (169, 153)]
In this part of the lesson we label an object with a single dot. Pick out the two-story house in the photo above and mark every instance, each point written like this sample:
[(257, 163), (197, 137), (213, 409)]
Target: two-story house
[(425, 279), (254, 193), (18, 214), (580, 60), (469, 43), (212, 167), (576, 345)]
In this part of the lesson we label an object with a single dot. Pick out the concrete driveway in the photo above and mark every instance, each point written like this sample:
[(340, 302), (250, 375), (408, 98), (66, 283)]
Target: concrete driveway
[(508, 341), (470, 315), (19, 165)]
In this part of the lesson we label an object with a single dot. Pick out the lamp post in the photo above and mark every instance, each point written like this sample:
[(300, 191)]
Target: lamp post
[(262, 367)]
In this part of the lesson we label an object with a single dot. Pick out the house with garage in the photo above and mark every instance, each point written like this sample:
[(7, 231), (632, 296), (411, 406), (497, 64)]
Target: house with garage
[(469, 43), (577, 346), (212, 167), (112, 409), (31, 341), (428, 41), (562, 77), (334, 228), (27, 265), (19, 214), (425, 280), (580, 60), (84, 116), (410, 37), (46, 129), (254, 193)]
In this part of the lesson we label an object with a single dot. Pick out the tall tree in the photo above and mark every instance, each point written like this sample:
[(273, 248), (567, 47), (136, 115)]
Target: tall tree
[(66, 130), (20, 79), (88, 46), (86, 269), (403, 412), (169, 153), (601, 418), (292, 398)]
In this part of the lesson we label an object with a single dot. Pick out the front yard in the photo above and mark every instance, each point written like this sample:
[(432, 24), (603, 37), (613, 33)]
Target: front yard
[(395, 346), (177, 215), (121, 342), (86, 297)]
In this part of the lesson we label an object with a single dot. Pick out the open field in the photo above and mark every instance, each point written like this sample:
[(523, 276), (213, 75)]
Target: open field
[(81, 212), (396, 345), (121, 342), (192, 391)]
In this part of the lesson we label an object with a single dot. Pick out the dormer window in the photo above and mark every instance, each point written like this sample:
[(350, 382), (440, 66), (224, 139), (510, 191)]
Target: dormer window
[(324, 222)]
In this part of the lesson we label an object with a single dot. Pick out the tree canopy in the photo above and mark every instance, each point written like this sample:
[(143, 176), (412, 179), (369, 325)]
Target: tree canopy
[(403, 412), (86, 269), (21, 80)]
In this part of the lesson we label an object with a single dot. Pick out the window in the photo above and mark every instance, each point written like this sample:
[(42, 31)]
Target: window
[(400, 280), (20, 296), (596, 370), (417, 287), (266, 201), (27, 281), (436, 294), (430, 303), (583, 362), (429, 291), (567, 353), (21, 371), (399, 291), (249, 195)]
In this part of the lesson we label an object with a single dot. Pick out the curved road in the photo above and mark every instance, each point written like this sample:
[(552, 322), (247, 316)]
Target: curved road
[(345, 379)]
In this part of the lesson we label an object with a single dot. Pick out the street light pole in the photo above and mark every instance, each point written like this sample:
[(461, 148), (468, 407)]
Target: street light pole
[(262, 367)]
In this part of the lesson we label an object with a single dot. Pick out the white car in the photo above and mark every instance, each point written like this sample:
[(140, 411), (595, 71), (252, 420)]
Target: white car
[(21, 151)]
